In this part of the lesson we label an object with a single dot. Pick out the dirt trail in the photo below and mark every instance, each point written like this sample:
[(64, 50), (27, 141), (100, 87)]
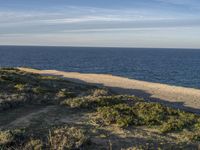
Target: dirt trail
[(22, 116), (26, 119), (40, 115), (179, 97)]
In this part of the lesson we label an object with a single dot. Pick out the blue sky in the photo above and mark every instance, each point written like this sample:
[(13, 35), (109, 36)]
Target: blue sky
[(127, 23)]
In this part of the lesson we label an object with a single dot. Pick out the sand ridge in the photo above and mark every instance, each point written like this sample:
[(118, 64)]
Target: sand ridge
[(179, 97)]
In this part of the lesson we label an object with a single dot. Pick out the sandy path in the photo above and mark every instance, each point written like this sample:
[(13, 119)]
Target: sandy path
[(179, 97), (25, 120)]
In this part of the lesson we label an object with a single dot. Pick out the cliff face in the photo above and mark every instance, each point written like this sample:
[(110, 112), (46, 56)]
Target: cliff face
[(49, 112)]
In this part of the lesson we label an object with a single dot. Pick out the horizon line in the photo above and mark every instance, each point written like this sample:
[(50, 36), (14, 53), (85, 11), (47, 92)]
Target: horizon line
[(29, 45)]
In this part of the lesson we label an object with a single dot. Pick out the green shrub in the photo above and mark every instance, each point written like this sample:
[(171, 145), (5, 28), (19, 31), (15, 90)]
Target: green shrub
[(59, 138), (193, 136), (173, 124), (67, 138), (100, 92), (33, 144), (124, 115), (197, 124), (48, 78), (8, 137), (5, 137), (150, 113), (91, 102), (121, 114), (63, 93), (20, 87), (177, 123), (39, 90)]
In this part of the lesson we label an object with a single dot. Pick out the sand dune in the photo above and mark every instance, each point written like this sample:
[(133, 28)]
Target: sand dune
[(179, 97)]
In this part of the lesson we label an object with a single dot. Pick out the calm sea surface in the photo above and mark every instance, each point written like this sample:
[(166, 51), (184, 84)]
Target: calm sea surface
[(172, 66)]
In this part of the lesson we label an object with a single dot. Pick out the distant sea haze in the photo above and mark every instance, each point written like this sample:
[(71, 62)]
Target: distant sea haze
[(179, 67)]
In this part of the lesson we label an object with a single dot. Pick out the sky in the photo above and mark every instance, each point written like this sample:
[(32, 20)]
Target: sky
[(101, 23)]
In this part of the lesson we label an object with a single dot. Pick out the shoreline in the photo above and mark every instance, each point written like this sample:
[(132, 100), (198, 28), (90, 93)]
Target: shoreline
[(175, 96)]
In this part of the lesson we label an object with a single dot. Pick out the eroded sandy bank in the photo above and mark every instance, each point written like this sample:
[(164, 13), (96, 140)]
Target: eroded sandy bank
[(179, 97)]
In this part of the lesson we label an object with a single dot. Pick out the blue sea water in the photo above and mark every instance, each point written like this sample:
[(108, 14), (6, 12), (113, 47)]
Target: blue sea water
[(171, 66)]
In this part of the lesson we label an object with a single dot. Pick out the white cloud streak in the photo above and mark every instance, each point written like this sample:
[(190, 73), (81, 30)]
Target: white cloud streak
[(186, 4), (96, 26), (186, 37), (75, 17), (64, 20)]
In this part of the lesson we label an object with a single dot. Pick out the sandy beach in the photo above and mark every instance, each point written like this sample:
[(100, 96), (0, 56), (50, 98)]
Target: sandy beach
[(178, 97)]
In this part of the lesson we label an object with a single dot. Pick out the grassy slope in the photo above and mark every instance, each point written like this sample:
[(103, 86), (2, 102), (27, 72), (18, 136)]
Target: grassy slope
[(47, 112)]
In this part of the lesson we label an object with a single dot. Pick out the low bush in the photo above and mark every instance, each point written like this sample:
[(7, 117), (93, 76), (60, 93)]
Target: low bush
[(197, 124), (121, 114), (150, 113), (64, 93), (39, 90), (193, 136), (20, 87), (9, 138), (147, 114), (5, 137), (67, 138), (10, 100), (100, 92), (179, 122), (90, 102), (33, 144), (59, 138)]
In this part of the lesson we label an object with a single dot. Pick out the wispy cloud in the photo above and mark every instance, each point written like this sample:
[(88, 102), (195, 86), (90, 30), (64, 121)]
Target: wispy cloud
[(193, 5), (76, 23), (180, 2), (72, 17), (76, 15), (170, 37)]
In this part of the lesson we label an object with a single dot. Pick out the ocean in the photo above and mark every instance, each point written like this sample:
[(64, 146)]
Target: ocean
[(179, 67)]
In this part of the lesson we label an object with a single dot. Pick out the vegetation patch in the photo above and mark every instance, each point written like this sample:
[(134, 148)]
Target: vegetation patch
[(59, 138), (120, 114), (148, 114), (18, 88), (91, 102), (193, 136), (100, 92), (67, 138), (179, 122), (33, 144), (64, 93), (111, 120), (9, 138)]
